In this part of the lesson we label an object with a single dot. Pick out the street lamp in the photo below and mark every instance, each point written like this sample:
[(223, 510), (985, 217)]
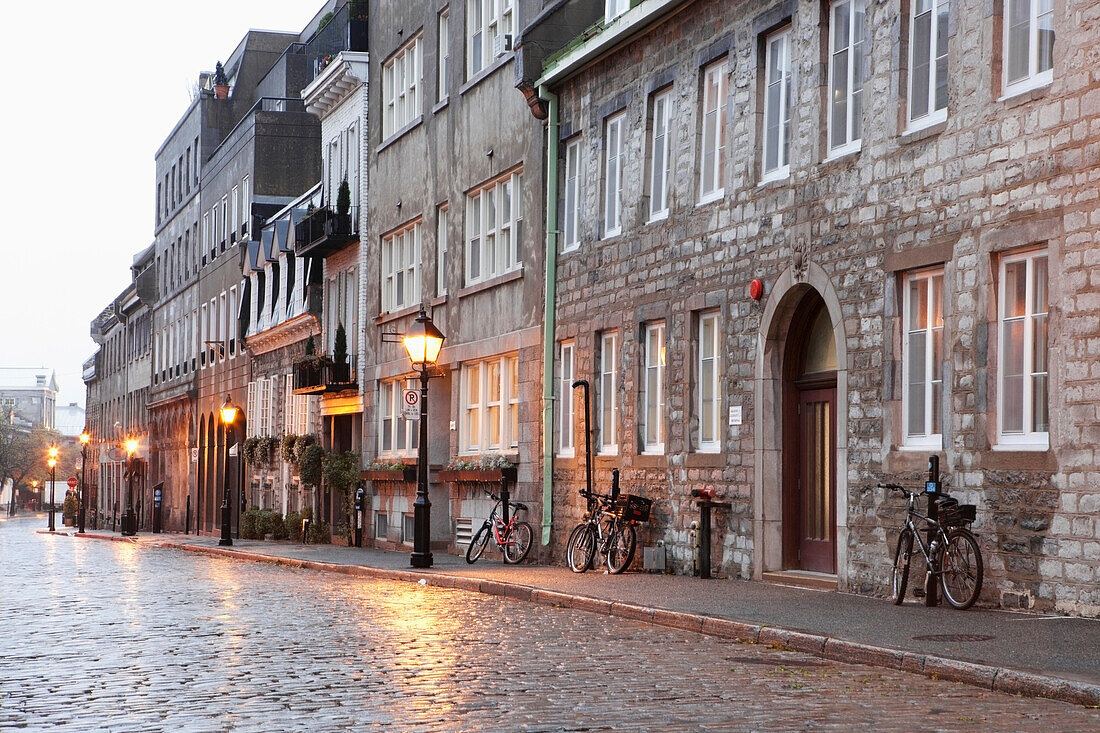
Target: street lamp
[(52, 463), (129, 521), (229, 415), (85, 438), (423, 342)]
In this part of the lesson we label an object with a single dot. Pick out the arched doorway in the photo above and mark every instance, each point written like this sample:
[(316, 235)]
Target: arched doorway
[(810, 439)]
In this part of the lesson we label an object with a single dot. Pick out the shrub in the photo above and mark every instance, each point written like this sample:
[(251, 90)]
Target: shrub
[(278, 527), (320, 534), (311, 465), (292, 527), (286, 448), (300, 444)]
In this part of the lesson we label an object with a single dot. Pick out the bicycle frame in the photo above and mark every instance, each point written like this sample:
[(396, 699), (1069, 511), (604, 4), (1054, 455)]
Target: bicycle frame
[(925, 549)]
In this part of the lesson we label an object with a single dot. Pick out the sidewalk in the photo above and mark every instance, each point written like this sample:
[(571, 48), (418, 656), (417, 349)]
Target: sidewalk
[(1046, 656)]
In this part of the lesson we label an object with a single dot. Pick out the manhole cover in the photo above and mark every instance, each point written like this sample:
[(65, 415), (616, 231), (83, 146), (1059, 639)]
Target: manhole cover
[(953, 637)]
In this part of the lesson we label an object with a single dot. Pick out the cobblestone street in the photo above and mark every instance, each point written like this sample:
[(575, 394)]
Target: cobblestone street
[(109, 636)]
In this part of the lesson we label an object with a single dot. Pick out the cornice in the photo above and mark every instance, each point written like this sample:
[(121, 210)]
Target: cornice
[(337, 82), (284, 334)]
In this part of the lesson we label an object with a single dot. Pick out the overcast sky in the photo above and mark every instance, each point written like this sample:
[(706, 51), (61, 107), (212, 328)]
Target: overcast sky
[(93, 90)]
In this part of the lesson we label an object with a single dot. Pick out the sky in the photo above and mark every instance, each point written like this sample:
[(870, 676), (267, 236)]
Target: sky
[(93, 91)]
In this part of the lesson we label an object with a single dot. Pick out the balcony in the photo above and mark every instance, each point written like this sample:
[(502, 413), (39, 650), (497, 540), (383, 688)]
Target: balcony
[(317, 375), (324, 232)]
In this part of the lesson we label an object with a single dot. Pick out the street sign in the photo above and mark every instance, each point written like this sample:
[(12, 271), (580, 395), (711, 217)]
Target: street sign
[(72, 482), (410, 399)]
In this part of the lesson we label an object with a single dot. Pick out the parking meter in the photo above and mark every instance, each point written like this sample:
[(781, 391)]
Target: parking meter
[(158, 498), (932, 490), (360, 500)]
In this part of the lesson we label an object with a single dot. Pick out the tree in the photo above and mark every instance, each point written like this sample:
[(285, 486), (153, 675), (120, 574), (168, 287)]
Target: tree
[(22, 453)]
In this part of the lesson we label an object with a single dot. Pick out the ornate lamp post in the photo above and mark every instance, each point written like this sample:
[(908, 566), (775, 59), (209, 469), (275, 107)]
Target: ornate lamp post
[(229, 415), (85, 438), (129, 521), (52, 463), (423, 342)]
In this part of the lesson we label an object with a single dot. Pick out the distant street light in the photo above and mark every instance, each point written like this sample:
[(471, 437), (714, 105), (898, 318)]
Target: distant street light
[(52, 463), (423, 343), (229, 416), (85, 438), (129, 521)]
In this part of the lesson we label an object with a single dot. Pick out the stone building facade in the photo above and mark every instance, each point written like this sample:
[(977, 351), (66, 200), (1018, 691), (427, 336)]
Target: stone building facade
[(804, 246)]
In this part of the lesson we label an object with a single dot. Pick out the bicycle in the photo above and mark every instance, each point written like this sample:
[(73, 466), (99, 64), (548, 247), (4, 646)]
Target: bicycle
[(953, 555), (513, 538), (607, 527)]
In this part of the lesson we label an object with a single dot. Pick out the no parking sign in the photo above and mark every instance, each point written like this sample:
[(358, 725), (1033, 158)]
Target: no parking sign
[(410, 399)]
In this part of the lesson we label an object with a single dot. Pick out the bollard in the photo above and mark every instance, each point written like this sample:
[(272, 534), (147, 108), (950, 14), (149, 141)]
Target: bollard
[(932, 490), (706, 503)]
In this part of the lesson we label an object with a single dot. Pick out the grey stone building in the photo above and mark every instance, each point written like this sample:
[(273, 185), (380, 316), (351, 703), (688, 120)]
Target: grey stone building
[(801, 246), (28, 396), (453, 226)]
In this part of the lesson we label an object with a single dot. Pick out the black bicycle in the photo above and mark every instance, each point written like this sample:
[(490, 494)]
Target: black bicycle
[(607, 529), (953, 556)]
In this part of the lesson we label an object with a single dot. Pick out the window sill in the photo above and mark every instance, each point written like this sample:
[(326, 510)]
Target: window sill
[(516, 274), (611, 234), (1020, 447), (779, 175), (1027, 91), (844, 152), (485, 73), (704, 459), (921, 447), (570, 248), (441, 105), (917, 131), (416, 122), (659, 216), (710, 198), (395, 315), (608, 451)]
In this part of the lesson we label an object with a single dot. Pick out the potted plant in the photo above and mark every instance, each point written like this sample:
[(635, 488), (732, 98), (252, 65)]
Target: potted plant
[(341, 373), (382, 470), (311, 465), (221, 83), (484, 468), (286, 448)]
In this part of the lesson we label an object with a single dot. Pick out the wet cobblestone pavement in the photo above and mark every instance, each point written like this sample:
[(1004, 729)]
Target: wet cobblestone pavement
[(109, 636)]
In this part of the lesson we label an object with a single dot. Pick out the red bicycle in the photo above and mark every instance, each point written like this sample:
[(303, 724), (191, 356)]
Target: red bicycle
[(512, 537)]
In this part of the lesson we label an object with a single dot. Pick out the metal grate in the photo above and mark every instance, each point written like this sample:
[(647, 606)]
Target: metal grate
[(464, 530)]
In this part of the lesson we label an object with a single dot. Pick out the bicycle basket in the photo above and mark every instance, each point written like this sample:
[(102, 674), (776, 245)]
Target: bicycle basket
[(946, 504), (958, 515), (633, 508)]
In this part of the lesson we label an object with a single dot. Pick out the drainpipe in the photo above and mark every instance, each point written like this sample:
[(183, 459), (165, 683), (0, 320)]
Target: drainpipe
[(548, 320)]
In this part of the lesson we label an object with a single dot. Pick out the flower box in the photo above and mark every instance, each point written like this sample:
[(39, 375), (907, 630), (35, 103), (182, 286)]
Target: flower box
[(407, 474), (478, 475)]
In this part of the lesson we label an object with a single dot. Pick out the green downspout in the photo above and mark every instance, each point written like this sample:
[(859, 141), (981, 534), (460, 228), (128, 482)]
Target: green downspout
[(548, 321)]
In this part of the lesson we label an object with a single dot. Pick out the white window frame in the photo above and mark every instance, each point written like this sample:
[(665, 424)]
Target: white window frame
[(614, 8), (708, 383), (712, 144), (443, 54), (1037, 74), (652, 422), (403, 436), (400, 268), (608, 415), (566, 447), (777, 88), (930, 18), (854, 50), (299, 410), (401, 82), (923, 321), (660, 159), (493, 228), (614, 128), (485, 20), (571, 239), (442, 217), (1034, 326), (490, 411)]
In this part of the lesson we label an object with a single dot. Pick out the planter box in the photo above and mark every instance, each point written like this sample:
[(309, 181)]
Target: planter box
[(479, 475), (408, 474)]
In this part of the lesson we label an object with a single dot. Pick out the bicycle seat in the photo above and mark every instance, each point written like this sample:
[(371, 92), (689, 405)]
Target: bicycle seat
[(519, 506)]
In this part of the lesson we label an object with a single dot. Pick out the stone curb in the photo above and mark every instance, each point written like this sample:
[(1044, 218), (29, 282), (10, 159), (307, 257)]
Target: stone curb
[(1013, 682)]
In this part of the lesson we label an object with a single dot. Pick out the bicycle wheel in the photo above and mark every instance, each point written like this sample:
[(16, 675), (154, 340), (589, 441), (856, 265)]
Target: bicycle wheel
[(901, 566), (581, 548), (518, 543), (477, 544), (960, 564), (620, 548)]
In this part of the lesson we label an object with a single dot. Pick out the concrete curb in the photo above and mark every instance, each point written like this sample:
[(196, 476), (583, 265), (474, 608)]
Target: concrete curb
[(1000, 679)]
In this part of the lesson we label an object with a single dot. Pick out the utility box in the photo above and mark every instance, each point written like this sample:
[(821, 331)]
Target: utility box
[(653, 558)]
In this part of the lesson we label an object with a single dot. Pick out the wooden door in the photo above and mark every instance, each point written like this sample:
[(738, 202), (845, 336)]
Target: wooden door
[(817, 479)]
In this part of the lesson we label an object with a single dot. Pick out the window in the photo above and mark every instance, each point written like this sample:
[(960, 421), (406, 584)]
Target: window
[(846, 73), (660, 165), (572, 205), (1023, 350), (614, 8), (613, 175), (493, 216), (1028, 44), (441, 250), (443, 54), (490, 405), (486, 21), (928, 62), (923, 359), (777, 106), (653, 434), (396, 435), (709, 402), (401, 268), (381, 525), (297, 417), (609, 357), (262, 400), (401, 88), (713, 146), (565, 400)]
